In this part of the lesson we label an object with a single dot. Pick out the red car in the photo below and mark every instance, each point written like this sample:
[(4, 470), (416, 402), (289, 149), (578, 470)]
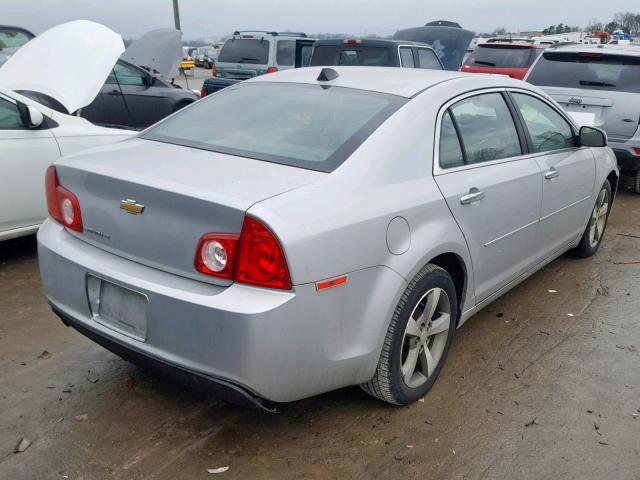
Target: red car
[(504, 58)]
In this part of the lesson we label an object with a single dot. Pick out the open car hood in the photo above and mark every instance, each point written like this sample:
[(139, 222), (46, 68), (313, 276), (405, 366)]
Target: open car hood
[(69, 62), (158, 51), (450, 43)]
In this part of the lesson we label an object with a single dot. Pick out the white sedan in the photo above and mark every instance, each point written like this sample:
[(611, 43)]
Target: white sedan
[(33, 136)]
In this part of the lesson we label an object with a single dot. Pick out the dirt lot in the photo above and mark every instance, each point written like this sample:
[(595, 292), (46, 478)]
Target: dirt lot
[(540, 384)]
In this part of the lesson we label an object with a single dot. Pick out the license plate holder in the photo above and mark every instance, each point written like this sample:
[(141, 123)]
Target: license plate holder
[(118, 308)]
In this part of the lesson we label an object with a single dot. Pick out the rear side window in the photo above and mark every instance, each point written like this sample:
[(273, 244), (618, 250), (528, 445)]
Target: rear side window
[(587, 70), (450, 150), (245, 50), (285, 52), (292, 124), (547, 129), (10, 118), (427, 59), (503, 57), (406, 57), (327, 55), (486, 127)]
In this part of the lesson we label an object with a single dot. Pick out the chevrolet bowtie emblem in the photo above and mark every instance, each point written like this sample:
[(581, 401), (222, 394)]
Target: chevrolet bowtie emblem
[(131, 206)]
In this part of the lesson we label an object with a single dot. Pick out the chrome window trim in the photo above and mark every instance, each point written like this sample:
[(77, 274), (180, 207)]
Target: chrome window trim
[(438, 170)]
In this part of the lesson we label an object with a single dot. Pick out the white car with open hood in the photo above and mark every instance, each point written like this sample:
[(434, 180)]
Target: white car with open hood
[(32, 136)]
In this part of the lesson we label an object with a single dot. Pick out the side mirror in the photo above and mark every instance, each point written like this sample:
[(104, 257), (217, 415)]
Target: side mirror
[(592, 137), (35, 117)]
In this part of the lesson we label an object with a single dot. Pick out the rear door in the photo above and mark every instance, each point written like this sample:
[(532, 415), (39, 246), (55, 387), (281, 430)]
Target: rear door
[(492, 189), (568, 171)]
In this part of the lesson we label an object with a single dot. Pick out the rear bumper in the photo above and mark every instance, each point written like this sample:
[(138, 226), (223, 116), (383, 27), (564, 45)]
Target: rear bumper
[(627, 160), (221, 388), (212, 85), (275, 345)]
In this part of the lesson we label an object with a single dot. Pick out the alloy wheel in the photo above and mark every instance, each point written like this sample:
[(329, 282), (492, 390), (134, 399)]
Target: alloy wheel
[(599, 218)]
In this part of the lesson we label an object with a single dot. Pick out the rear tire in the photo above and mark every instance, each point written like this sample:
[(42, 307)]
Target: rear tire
[(636, 182), (418, 339), (594, 232)]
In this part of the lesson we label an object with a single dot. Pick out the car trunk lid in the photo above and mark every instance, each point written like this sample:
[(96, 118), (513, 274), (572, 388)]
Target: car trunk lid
[(173, 195)]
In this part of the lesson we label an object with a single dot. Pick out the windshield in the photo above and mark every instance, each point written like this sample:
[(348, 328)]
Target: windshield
[(13, 38), (326, 55), (245, 50), (503, 57), (300, 125), (588, 70)]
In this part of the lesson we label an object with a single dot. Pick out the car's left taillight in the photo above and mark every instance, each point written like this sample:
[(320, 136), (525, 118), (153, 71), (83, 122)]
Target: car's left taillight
[(254, 257), (63, 205)]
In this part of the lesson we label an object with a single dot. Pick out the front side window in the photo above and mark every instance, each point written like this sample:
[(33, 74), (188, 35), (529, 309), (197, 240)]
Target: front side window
[(285, 52), (547, 129), (125, 75), (427, 59), (406, 57), (292, 124), (10, 118), (486, 127)]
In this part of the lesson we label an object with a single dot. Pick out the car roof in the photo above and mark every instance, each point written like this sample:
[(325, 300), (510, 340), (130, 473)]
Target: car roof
[(369, 42), (631, 50), (404, 82)]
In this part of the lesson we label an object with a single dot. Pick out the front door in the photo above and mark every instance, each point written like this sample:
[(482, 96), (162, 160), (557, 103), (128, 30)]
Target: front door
[(493, 190), (568, 172), (26, 154)]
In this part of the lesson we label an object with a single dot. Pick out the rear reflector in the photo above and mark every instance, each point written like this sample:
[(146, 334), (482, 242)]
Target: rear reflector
[(333, 282), (63, 205)]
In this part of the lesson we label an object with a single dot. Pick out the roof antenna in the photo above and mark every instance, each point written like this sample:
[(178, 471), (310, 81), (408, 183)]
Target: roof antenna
[(327, 74)]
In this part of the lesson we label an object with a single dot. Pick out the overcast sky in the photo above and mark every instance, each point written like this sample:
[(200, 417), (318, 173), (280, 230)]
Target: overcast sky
[(214, 18)]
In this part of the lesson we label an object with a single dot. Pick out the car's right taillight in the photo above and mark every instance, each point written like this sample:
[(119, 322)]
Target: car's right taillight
[(254, 257), (636, 150), (63, 205), (272, 69)]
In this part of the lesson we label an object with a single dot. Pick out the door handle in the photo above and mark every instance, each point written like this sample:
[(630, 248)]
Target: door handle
[(473, 196), (553, 173), (628, 120), (115, 92)]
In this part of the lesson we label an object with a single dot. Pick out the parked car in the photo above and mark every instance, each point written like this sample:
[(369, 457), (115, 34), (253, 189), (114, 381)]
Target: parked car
[(135, 96), (33, 136), (11, 39), (205, 57), (448, 39), (503, 58), (250, 54), (600, 86), (374, 53), (334, 230)]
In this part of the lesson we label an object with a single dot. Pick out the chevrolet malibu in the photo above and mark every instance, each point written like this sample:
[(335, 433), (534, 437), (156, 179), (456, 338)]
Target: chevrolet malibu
[(333, 226)]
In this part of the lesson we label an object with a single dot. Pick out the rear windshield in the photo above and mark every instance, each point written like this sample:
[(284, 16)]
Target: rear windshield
[(13, 38), (588, 70), (245, 50), (325, 55), (300, 125), (502, 57)]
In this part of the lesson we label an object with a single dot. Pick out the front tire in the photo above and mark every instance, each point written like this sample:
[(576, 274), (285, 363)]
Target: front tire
[(418, 339), (594, 232)]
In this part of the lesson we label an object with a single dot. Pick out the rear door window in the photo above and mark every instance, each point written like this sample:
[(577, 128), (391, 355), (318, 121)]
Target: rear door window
[(486, 127), (125, 75), (406, 57), (327, 55), (285, 52), (547, 128), (427, 59), (245, 50), (590, 70), (450, 154)]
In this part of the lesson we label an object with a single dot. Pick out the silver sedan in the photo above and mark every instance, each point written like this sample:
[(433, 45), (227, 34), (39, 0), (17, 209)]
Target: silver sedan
[(317, 228)]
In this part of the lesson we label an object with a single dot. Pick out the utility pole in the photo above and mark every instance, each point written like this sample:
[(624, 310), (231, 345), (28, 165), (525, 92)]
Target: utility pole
[(176, 14)]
